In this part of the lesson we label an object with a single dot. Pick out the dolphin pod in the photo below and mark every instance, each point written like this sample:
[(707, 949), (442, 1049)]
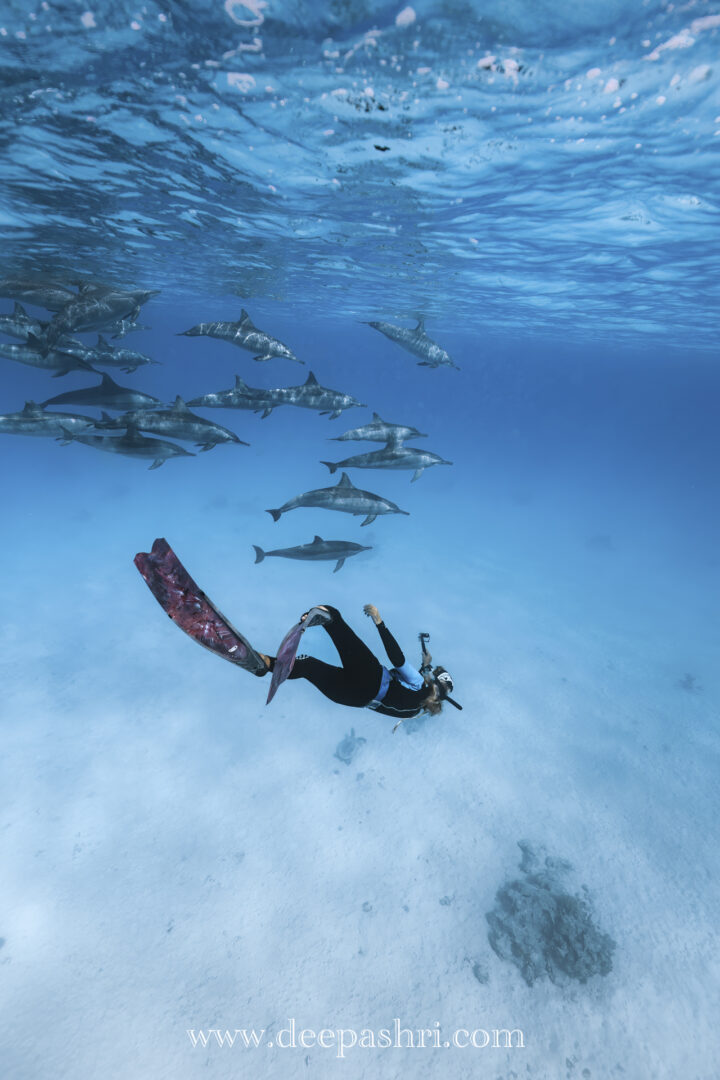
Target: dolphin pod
[(82, 307)]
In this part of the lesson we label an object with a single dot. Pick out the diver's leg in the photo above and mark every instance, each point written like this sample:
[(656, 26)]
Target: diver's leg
[(357, 659), (335, 683)]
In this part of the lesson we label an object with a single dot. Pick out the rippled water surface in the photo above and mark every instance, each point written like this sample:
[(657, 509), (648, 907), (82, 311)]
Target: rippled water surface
[(514, 167)]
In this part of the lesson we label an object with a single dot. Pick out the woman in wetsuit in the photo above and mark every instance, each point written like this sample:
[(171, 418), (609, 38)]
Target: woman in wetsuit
[(363, 682)]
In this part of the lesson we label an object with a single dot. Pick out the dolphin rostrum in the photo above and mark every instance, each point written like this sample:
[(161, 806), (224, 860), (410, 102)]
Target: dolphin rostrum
[(177, 422), (311, 395), (380, 431), (33, 420), (106, 393), (318, 549), (417, 342), (240, 396), (245, 335), (393, 456), (344, 497), (132, 444)]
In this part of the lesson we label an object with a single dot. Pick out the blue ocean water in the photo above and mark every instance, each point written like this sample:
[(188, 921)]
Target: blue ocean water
[(539, 183)]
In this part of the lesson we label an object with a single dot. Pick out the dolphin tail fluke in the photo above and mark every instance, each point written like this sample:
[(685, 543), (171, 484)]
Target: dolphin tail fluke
[(259, 554), (332, 466), (338, 565), (275, 514)]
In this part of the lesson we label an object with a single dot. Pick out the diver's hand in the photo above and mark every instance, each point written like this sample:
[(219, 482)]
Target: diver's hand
[(373, 612)]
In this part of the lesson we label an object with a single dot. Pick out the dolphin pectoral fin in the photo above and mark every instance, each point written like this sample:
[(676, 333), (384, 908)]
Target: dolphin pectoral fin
[(266, 413), (417, 474), (66, 437), (424, 363), (335, 414), (368, 520), (205, 446), (265, 356), (157, 463), (338, 565)]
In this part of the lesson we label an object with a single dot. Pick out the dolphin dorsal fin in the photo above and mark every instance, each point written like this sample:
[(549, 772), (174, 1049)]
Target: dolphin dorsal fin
[(179, 405), (421, 323), (240, 384), (245, 319), (317, 539), (131, 429), (32, 409), (107, 381), (378, 418), (19, 310), (102, 343), (345, 481), (311, 380)]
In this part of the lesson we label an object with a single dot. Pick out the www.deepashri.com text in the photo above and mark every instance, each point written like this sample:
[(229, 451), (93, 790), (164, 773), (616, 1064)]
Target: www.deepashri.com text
[(343, 1039)]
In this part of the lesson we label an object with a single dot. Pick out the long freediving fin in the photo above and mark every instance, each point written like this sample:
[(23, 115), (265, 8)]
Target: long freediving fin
[(285, 658), (188, 607)]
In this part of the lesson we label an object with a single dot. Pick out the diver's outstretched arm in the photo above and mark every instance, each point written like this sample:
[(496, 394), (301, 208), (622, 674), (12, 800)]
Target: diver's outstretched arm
[(394, 653)]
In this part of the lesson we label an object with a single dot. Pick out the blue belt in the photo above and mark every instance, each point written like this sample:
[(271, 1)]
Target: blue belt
[(380, 696)]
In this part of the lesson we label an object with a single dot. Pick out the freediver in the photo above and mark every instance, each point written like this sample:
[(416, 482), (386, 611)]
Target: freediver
[(401, 691)]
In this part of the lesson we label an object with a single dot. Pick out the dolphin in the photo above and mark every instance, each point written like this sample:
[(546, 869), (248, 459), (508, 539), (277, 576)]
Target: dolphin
[(33, 420), (380, 431), (34, 354), (103, 354), (177, 422), (48, 294), (94, 311), (319, 549), (20, 325), (417, 342), (245, 335), (106, 393), (344, 497), (132, 444), (392, 456), (311, 395), (98, 288), (241, 396)]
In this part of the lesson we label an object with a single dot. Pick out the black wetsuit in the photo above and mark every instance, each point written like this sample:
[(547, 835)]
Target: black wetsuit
[(357, 682)]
